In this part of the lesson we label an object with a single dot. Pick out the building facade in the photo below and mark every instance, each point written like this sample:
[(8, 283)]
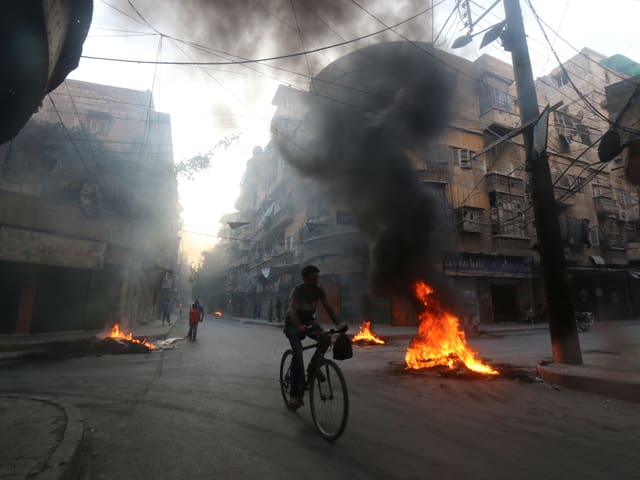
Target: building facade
[(89, 212), (476, 170)]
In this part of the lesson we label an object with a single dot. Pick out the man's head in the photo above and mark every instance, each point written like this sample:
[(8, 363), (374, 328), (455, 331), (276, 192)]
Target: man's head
[(310, 275)]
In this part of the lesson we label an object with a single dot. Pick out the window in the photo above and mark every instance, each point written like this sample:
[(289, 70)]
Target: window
[(492, 97), (562, 78), (624, 198), (570, 128), (472, 214), (507, 216), (600, 190)]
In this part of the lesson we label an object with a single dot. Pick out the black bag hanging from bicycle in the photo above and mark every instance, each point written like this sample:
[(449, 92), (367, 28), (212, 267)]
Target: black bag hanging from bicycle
[(342, 348)]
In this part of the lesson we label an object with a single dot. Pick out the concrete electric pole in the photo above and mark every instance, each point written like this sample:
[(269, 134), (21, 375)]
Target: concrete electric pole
[(562, 325)]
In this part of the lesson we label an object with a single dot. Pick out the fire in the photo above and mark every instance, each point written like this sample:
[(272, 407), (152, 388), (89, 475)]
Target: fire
[(218, 313), (366, 335), (116, 333), (440, 341)]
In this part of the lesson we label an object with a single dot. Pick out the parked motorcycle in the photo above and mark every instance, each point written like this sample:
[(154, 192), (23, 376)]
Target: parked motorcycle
[(584, 320)]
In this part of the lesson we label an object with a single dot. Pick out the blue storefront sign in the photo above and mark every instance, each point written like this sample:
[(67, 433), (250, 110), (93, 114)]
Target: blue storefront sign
[(479, 266)]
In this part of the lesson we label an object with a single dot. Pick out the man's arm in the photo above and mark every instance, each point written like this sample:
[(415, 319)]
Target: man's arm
[(293, 313), (329, 310)]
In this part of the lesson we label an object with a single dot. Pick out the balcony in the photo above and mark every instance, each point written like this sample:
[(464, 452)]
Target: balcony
[(434, 174), (497, 182), (319, 231), (472, 220), (606, 206), (633, 251), (508, 244)]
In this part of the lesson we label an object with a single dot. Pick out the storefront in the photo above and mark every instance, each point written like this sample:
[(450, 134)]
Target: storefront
[(493, 288)]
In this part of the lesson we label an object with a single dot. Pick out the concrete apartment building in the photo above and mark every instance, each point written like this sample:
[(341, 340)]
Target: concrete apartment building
[(88, 212), (481, 187)]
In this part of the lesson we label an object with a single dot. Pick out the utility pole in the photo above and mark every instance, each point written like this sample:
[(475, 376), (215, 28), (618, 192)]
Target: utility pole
[(562, 325)]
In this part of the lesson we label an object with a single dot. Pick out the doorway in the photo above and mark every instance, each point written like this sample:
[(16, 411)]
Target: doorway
[(504, 302)]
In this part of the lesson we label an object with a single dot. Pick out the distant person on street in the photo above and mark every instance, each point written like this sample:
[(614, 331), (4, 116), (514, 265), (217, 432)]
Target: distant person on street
[(300, 322), (194, 320), (278, 310), (166, 312)]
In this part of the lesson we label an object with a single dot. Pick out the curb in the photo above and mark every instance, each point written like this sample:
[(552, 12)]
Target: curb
[(65, 463), (576, 377)]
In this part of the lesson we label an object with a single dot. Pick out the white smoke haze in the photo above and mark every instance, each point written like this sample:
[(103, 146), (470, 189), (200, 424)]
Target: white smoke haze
[(209, 103)]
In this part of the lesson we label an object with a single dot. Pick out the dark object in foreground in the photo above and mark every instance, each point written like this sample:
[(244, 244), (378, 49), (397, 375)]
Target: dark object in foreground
[(40, 43)]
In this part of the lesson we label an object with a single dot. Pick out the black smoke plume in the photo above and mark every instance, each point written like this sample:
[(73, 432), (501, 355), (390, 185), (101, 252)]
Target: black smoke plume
[(367, 115)]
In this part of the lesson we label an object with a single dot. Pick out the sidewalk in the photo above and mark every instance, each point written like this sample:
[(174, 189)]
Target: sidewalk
[(44, 438)]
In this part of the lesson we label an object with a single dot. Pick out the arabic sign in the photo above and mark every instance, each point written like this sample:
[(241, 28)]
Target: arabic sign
[(18, 245), (477, 266)]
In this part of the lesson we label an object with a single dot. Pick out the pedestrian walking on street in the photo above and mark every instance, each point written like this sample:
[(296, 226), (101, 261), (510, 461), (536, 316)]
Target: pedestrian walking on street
[(194, 320), (166, 312), (278, 308)]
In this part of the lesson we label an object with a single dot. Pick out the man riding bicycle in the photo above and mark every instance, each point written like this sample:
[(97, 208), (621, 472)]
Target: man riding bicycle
[(300, 322)]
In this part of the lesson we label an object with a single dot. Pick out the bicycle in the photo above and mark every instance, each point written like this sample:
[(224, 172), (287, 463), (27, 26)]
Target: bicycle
[(328, 399)]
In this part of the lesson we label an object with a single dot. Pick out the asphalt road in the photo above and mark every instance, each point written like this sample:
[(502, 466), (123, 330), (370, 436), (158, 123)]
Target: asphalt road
[(212, 409)]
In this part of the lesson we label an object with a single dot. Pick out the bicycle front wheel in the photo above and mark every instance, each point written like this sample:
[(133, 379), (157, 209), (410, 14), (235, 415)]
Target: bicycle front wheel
[(329, 400), (285, 376)]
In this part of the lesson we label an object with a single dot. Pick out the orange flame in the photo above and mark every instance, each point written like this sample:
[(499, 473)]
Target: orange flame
[(366, 335), (117, 334), (440, 342), (218, 313)]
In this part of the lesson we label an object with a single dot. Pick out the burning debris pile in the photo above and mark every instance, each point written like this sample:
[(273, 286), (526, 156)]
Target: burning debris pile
[(366, 337), (119, 342), (440, 341)]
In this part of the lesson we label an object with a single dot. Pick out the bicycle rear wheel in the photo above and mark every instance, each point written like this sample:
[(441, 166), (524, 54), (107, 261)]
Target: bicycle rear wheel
[(285, 376), (329, 401)]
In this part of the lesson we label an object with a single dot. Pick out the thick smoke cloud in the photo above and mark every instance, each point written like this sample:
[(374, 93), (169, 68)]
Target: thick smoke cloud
[(262, 28), (367, 114)]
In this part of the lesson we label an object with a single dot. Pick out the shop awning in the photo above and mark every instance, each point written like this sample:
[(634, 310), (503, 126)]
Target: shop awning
[(597, 260)]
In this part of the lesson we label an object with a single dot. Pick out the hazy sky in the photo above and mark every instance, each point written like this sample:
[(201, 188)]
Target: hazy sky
[(210, 103)]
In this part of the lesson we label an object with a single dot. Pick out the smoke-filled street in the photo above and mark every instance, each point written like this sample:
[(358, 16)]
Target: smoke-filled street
[(212, 409)]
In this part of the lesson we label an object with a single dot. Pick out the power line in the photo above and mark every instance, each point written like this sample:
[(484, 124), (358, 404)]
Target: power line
[(565, 72), (266, 59), (295, 16)]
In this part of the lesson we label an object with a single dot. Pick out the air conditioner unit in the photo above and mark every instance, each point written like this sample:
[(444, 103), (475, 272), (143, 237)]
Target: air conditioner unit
[(464, 158), (623, 215)]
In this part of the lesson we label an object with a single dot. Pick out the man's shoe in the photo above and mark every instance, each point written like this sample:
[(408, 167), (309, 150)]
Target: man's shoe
[(294, 403)]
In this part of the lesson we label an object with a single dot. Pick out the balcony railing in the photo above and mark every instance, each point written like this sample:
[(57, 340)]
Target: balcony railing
[(606, 206), (472, 220), (498, 182), (434, 173)]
